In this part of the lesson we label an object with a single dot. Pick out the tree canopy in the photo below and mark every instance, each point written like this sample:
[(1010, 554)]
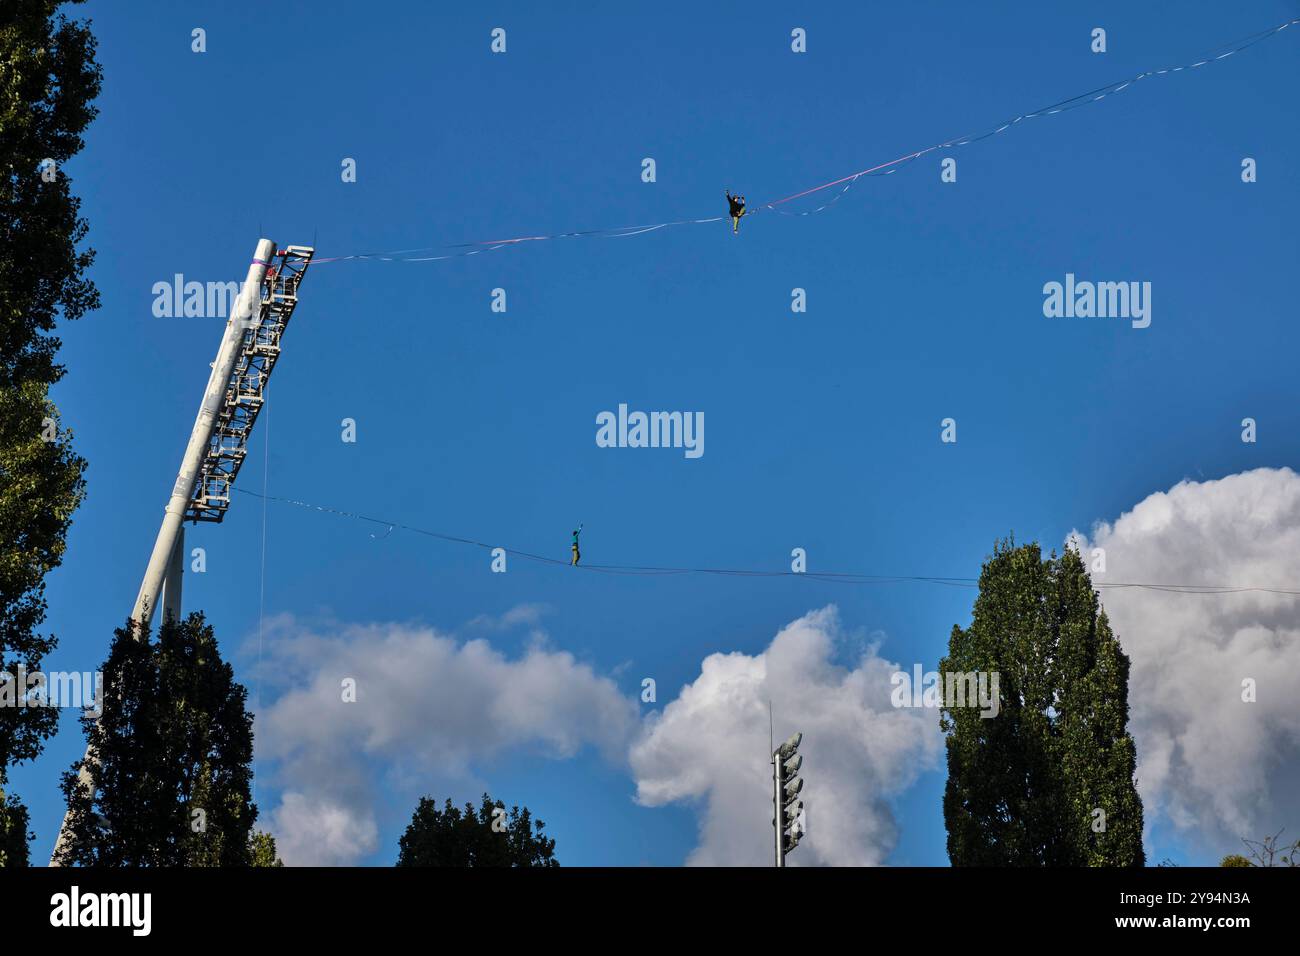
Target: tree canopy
[(488, 837), (174, 747)]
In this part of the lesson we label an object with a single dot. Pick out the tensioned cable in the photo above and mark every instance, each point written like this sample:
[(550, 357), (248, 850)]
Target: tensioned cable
[(882, 169), (261, 592), (834, 577)]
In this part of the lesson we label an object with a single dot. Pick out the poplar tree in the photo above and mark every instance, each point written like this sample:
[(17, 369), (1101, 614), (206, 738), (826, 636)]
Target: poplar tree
[(48, 81), (1049, 780)]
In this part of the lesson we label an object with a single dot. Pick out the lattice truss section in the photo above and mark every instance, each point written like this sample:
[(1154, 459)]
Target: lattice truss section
[(246, 389)]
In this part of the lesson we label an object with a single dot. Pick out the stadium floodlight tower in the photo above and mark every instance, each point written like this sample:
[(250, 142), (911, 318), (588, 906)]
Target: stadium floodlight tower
[(787, 819), (232, 400)]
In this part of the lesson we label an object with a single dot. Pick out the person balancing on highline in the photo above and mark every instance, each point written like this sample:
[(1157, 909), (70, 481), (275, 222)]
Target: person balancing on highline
[(577, 555), (737, 210)]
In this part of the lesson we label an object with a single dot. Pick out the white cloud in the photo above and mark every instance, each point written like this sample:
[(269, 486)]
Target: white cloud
[(1214, 767), (710, 746), (529, 615), (429, 708), (315, 831)]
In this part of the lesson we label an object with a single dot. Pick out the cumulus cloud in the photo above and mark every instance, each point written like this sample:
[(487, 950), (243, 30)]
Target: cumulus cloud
[(313, 830), (1215, 767), (428, 708), (709, 747)]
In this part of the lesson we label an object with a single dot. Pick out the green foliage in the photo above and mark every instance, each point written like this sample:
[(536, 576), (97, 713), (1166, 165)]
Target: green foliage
[(48, 80), (175, 745), (1235, 859), (490, 837), (13, 831), (40, 486), (261, 850), (1024, 786)]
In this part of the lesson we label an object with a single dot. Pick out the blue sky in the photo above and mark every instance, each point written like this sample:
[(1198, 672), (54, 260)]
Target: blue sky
[(924, 302)]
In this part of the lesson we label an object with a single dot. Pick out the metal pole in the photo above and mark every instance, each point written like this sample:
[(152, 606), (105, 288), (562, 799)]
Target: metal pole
[(776, 796), (776, 784), (214, 395), (171, 588), (246, 308)]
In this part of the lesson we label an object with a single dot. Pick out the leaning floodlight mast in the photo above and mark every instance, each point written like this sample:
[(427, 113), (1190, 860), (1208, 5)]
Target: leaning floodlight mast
[(218, 444)]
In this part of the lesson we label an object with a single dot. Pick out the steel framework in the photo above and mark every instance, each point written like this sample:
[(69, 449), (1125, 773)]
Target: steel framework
[(246, 389)]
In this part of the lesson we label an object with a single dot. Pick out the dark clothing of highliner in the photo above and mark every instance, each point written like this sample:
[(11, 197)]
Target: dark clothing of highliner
[(737, 210)]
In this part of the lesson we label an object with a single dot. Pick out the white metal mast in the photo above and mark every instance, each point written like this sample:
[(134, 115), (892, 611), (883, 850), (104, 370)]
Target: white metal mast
[(214, 396)]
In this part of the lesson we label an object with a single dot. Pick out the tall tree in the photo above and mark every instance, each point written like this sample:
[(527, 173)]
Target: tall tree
[(48, 81), (174, 747), (490, 837), (1048, 781)]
